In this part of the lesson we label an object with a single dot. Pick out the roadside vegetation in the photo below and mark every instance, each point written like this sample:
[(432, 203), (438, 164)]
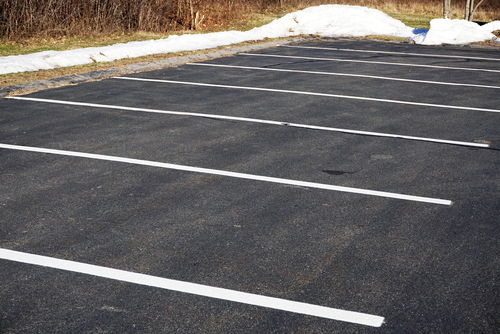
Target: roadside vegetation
[(28, 19), (28, 26), (22, 77), (37, 25)]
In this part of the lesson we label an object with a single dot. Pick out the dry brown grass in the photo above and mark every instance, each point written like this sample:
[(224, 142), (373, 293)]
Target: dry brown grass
[(22, 19), (488, 11), (35, 25), (22, 77)]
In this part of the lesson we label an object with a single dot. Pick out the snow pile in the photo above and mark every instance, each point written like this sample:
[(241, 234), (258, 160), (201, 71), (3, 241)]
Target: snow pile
[(326, 20), (445, 31), (335, 21), (492, 26)]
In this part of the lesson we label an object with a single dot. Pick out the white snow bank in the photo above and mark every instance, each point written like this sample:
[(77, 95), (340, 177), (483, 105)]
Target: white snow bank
[(492, 26), (446, 31), (326, 20), (334, 21)]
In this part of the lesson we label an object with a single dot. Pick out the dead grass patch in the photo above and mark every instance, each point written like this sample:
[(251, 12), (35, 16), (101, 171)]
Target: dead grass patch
[(25, 19), (19, 78)]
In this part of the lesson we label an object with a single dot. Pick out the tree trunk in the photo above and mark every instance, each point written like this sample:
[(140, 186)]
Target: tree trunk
[(473, 8), (469, 9), (446, 9), (192, 22)]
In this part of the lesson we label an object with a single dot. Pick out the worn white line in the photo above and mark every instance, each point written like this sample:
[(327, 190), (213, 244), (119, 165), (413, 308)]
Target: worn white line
[(253, 120), (194, 288), (369, 62), (229, 174), (345, 75), (390, 52), (310, 93)]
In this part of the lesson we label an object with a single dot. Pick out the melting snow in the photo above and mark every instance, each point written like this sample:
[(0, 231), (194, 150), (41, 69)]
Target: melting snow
[(445, 31), (325, 20)]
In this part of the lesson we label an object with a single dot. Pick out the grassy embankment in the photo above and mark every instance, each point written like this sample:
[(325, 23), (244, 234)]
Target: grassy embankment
[(97, 30)]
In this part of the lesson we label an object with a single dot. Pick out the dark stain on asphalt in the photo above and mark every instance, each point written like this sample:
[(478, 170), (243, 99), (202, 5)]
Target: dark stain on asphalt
[(337, 172)]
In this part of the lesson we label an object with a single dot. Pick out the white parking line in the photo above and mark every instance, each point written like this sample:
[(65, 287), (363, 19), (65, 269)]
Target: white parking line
[(230, 174), (345, 75), (253, 120), (390, 52), (310, 93), (194, 288), (369, 62)]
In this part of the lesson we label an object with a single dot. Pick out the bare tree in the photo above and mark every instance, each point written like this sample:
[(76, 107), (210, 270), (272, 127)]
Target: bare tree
[(468, 6), (470, 9), (446, 9)]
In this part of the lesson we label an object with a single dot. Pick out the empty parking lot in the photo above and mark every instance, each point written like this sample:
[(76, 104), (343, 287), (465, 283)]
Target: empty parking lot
[(328, 186)]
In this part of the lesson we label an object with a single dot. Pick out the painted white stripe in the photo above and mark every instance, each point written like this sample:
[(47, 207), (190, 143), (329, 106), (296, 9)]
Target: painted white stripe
[(229, 174), (252, 120), (194, 288), (390, 52), (345, 75), (310, 93), (370, 62)]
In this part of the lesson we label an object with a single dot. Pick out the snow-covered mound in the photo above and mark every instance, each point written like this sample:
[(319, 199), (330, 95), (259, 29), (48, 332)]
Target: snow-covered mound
[(325, 20), (334, 21), (445, 31)]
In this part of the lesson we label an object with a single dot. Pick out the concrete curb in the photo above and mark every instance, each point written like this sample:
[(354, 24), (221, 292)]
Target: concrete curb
[(73, 79)]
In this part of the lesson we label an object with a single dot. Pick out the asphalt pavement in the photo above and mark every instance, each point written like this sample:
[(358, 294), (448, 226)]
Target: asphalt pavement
[(424, 267)]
